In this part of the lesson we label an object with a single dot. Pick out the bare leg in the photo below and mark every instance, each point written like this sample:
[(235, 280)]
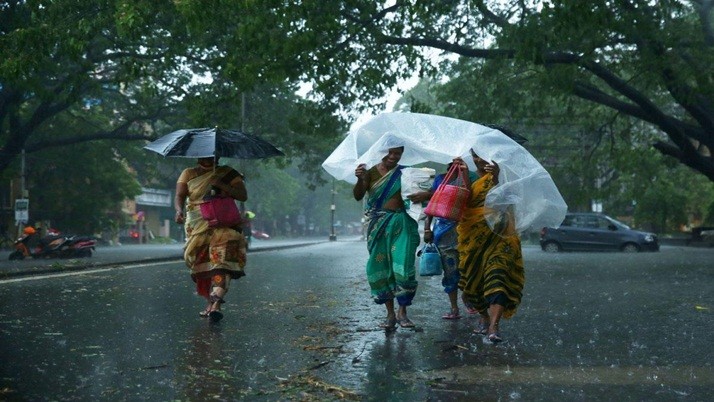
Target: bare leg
[(391, 320), (402, 318), (206, 310), (495, 311), (402, 312), (453, 301), (390, 308)]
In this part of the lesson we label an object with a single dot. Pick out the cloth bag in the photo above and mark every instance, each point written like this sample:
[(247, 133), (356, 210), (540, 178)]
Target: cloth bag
[(415, 180), (449, 200), (220, 211), (429, 260)]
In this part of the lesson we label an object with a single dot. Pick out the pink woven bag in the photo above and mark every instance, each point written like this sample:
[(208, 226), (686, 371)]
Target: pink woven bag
[(220, 212), (449, 200)]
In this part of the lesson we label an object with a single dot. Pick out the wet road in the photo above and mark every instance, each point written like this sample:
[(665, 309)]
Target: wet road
[(301, 326)]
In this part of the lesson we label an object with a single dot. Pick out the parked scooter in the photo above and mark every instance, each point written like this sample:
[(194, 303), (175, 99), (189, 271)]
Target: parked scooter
[(54, 245)]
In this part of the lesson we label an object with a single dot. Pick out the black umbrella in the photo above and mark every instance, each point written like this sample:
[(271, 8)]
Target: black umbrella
[(216, 142)]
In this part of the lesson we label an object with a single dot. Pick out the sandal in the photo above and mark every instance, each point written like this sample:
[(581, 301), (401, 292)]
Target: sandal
[(205, 312), (215, 315), (471, 310), (481, 329), (451, 315), (405, 322), (495, 337), (389, 324)]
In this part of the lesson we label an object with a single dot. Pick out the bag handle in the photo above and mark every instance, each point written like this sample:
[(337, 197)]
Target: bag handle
[(454, 170), (429, 245)]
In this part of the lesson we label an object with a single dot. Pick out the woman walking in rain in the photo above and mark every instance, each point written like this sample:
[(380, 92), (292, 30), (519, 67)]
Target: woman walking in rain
[(491, 263), (443, 234), (392, 238), (215, 255)]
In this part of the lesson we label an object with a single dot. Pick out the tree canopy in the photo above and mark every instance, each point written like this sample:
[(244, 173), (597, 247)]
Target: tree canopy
[(643, 60)]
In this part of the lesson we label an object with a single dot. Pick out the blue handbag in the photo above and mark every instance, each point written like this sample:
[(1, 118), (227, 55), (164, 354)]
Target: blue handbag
[(429, 260)]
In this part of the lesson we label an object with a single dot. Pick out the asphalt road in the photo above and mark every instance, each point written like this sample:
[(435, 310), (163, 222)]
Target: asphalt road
[(301, 326)]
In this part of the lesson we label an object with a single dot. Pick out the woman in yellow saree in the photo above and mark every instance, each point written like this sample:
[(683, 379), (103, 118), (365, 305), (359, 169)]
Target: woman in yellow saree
[(490, 263), (215, 255)]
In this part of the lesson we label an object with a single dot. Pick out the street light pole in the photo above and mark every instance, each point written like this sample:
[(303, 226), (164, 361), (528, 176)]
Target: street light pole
[(333, 237)]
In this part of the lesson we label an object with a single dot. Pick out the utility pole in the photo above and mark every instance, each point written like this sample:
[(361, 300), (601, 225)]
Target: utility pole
[(242, 128), (333, 236), (21, 204), (22, 174)]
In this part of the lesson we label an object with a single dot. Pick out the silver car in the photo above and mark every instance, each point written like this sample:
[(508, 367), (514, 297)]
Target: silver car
[(592, 231)]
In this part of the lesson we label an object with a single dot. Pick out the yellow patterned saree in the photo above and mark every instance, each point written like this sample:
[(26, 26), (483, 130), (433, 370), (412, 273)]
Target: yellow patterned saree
[(489, 263), (210, 249)]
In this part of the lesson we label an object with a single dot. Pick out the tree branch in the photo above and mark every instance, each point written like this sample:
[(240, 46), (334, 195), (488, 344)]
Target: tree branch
[(118, 133), (656, 116)]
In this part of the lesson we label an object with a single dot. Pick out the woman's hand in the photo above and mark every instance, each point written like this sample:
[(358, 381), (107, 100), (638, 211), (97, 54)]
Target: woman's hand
[(460, 163), (361, 171), (179, 218), (428, 236), (494, 169), (420, 196)]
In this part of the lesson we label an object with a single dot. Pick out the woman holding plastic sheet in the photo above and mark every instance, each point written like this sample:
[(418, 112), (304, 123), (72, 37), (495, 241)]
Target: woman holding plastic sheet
[(490, 259), (215, 255), (392, 238)]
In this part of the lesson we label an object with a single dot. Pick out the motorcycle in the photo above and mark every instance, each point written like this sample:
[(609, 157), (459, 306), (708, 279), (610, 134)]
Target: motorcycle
[(53, 245)]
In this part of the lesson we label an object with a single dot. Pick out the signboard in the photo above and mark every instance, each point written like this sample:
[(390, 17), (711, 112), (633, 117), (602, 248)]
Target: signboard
[(22, 214)]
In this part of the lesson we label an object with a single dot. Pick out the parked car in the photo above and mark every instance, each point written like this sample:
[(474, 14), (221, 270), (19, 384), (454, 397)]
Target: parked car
[(593, 231)]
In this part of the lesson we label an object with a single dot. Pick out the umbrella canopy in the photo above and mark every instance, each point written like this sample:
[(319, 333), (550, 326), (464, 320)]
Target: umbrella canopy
[(525, 188), (208, 142)]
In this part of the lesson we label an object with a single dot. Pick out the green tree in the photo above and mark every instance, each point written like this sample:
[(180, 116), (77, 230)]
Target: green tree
[(649, 61), (80, 192), (58, 57)]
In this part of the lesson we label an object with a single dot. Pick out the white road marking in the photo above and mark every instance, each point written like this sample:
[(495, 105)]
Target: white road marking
[(83, 272)]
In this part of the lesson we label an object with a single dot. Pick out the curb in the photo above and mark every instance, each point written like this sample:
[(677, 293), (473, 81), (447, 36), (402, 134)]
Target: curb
[(61, 268)]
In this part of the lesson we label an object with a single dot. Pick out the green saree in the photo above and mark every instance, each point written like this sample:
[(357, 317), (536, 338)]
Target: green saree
[(392, 240)]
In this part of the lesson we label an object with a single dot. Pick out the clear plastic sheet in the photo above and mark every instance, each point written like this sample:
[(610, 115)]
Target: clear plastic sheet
[(525, 190)]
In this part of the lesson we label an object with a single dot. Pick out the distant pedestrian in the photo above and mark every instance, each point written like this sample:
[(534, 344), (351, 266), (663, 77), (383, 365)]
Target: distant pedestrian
[(491, 263), (443, 234), (215, 255), (392, 238)]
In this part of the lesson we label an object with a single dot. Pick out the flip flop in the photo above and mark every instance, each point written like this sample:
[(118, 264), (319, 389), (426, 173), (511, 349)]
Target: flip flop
[(471, 310), (495, 337), (389, 323), (215, 315), (481, 329), (451, 316), (405, 322)]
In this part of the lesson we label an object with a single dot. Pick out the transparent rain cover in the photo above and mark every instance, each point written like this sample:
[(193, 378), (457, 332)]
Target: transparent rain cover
[(525, 190)]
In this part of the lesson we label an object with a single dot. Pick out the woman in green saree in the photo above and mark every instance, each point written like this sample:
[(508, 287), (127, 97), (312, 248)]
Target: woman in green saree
[(392, 238), (215, 255)]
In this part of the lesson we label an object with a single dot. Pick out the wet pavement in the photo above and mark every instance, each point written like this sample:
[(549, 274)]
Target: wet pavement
[(301, 326)]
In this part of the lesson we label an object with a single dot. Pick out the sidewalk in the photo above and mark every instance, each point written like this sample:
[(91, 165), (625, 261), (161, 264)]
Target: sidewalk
[(107, 256)]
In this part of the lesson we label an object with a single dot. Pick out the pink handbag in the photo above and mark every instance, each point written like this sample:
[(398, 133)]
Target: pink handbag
[(449, 200), (220, 212)]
